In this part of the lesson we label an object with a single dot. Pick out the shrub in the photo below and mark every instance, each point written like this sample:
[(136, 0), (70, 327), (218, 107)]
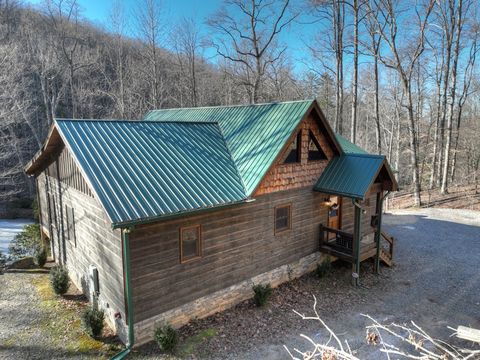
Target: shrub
[(92, 320), (59, 279), (3, 262), (41, 256), (262, 293), (26, 242), (166, 338), (324, 267)]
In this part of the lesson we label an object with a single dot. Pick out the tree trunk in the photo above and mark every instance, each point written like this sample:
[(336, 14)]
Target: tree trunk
[(353, 127), (376, 105), (453, 89)]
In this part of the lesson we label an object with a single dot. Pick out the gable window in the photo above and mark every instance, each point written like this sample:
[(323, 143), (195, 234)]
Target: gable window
[(190, 243), (315, 152), (293, 151), (283, 218), (70, 225)]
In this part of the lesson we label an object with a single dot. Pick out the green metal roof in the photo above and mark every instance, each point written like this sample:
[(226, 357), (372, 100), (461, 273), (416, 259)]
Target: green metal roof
[(254, 134), (350, 174), (349, 147), (144, 170)]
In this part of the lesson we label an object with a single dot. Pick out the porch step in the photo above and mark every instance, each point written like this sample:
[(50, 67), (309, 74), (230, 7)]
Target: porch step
[(385, 257)]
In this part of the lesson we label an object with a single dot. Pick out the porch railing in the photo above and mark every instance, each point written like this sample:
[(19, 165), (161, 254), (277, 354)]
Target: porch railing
[(342, 242)]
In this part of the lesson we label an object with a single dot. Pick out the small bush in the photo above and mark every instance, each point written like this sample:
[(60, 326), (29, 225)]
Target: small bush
[(59, 279), (166, 338), (3, 261), (262, 293), (323, 268), (92, 320), (26, 242), (41, 256)]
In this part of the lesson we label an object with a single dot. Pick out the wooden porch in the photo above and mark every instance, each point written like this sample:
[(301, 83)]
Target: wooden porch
[(339, 243)]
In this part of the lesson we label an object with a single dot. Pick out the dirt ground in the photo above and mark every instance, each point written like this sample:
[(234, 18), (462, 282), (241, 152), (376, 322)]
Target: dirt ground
[(435, 282), (37, 324)]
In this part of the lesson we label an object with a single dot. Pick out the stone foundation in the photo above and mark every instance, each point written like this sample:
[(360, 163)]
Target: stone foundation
[(224, 299)]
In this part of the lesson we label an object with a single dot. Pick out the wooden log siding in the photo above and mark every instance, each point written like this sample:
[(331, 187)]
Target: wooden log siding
[(238, 243), (369, 205), (297, 175), (96, 243)]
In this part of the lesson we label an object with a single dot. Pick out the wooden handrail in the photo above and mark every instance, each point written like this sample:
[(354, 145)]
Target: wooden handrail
[(391, 241), (387, 237), (335, 231)]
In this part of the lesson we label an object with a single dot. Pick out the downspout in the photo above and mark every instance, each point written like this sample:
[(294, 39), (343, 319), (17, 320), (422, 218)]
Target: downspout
[(356, 242), (378, 235), (128, 296)]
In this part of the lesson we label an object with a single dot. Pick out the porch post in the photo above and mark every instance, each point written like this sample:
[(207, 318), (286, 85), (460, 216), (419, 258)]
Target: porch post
[(357, 228), (378, 230)]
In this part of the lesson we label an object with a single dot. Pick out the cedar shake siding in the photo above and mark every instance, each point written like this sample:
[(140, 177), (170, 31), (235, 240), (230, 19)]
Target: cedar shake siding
[(303, 173), (92, 240)]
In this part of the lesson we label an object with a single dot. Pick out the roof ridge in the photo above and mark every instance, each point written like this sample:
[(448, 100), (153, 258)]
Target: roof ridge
[(380, 156), (142, 121), (230, 106)]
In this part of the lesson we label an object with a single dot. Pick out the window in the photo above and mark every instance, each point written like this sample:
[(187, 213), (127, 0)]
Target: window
[(293, 151), (190, 243), (70, 225), (283, 218), (315, 152), (52, 211)]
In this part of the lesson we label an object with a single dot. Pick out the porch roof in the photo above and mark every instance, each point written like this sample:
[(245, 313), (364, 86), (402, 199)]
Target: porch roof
[(353, 174)]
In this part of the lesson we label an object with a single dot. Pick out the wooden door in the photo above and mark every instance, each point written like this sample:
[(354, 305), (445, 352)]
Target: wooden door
[(334, 214)]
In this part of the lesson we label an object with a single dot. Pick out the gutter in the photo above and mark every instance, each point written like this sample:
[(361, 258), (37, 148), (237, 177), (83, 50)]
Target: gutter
[(128, 296), (131, 223)]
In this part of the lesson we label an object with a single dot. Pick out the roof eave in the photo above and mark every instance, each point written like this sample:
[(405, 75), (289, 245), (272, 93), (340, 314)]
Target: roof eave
[(158, 218), (339, 193)]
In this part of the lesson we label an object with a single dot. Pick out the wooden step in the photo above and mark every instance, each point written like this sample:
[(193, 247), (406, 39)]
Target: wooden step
[(385, 257)]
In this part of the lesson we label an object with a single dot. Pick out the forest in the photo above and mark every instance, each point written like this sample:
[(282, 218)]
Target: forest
[(397, 77)]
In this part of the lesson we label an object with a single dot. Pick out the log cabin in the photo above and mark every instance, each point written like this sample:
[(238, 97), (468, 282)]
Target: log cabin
[(177, 215)]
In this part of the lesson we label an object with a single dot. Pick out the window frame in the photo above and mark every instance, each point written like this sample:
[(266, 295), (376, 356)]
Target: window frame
[(70, 220), (311, 136), (298, 138), (199, 243), (289, 227)]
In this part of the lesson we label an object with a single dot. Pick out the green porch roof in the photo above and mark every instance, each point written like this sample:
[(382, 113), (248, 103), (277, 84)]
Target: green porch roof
[(145, 170), (254, 134), (350, 175)]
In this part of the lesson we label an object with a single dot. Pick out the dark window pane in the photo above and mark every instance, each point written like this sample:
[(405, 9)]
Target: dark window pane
[(315, 152), (190, 242), (282, 218), (293, 150)]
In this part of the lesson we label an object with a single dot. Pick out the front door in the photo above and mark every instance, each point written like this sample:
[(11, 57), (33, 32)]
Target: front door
[(334, 214)]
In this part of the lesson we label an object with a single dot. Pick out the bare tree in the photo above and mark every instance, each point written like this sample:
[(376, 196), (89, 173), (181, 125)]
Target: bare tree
[(186, 43), (404, 63), (63, 16), (457, 21), (151, 31), (247, 34)]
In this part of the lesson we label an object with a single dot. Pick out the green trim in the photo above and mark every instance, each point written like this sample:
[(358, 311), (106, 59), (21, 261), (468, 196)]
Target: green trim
[(334, 192), (177, 215), (356, 240), (128, 296)]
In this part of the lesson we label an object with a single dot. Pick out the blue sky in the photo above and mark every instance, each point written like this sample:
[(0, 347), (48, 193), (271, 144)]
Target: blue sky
[(97, 12)]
